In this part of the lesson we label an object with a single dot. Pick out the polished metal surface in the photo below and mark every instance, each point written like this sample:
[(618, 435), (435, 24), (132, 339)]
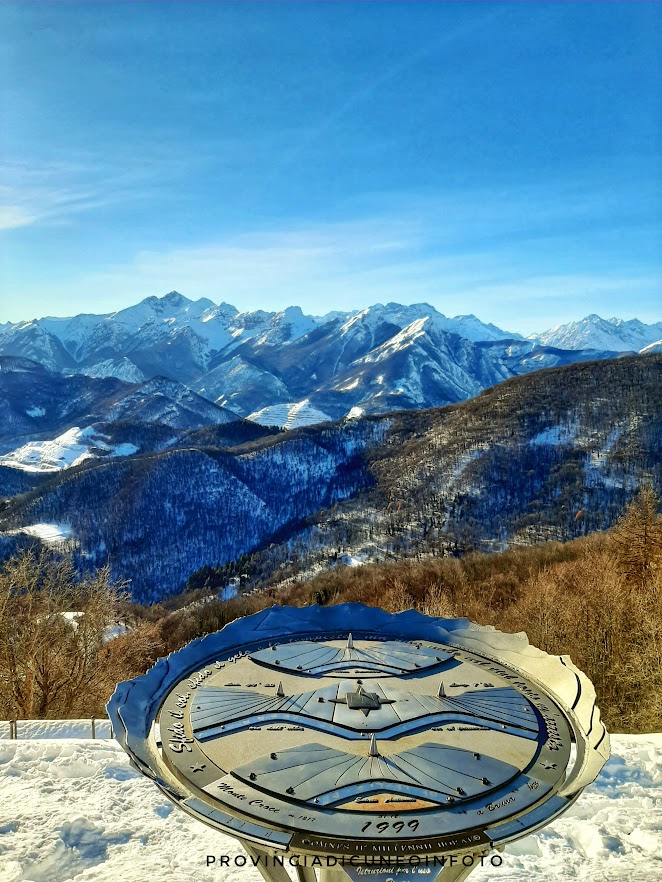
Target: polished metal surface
[(346, 730)]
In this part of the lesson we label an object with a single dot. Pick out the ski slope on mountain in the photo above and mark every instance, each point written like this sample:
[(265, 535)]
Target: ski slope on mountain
[(76, 810)]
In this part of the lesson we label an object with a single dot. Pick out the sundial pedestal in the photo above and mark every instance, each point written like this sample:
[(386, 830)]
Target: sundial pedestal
[(351, 734)]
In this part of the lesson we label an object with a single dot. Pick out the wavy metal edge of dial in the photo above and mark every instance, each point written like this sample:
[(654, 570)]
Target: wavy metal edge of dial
[(136, 704)]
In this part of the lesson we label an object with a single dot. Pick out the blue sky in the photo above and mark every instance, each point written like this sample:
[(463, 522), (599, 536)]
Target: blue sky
[(495, 158)]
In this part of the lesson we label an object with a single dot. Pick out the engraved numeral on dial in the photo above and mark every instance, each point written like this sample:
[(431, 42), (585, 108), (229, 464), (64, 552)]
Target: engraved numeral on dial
[(396, 827)]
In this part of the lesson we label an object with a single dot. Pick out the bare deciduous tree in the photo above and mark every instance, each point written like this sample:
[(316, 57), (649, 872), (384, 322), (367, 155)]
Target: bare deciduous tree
[(52, 629)]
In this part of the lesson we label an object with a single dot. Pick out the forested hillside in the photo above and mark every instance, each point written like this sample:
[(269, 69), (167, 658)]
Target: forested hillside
[(598, 599), (157, 518), (551, 455), (556, 454)]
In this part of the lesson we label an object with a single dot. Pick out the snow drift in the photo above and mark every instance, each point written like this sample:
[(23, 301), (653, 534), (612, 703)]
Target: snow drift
[(76, 810)]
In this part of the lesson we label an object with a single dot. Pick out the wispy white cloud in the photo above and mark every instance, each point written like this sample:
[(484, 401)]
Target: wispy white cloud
[(50, 192), (526, 256), (268, 266), (14, 216), (47, 191), (349, 265)]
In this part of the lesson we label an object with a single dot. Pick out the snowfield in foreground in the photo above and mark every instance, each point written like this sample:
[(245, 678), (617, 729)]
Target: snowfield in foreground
[(76, 810)]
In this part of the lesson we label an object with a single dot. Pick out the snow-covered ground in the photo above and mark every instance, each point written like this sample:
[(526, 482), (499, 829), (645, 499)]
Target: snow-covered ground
[(75, 810), (53, 534), (69, 449), (289, 416), (40, 729)]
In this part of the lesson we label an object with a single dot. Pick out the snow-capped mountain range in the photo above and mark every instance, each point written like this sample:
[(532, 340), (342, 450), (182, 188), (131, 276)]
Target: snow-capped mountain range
[(594, 332), (290, 369)]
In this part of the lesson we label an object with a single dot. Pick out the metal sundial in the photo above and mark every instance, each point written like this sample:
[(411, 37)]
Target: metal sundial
[(350, 732)]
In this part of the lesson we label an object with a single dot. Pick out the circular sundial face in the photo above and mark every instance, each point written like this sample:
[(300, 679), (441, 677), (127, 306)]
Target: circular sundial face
[(364, 739), (416, 736)]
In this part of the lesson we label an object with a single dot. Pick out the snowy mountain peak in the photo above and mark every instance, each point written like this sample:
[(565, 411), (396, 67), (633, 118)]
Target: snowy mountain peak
[(594, 332), (472, 328), (467, 326), (223, 310), (66, 450), (395, 314), (174, 299), (288, 325), (358, 317), (410, 332), (121, 368), (170, 306), (404, 339), (291, 314), (203, 304)]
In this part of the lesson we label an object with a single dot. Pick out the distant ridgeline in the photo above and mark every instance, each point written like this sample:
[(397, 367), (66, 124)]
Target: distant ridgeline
[(554, 454), (290, 369)]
